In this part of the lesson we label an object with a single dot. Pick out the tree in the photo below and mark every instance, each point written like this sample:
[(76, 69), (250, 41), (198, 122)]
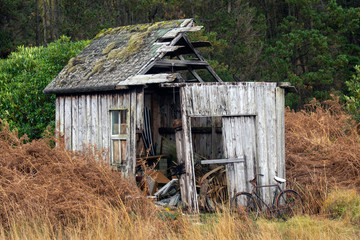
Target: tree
[(24, 75), (315, 50), (353, 98)]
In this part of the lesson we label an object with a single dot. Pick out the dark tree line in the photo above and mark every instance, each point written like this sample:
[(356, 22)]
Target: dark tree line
[(314, 44)]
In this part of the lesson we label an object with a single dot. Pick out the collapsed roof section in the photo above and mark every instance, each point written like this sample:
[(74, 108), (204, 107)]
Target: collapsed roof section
[(134, 55)]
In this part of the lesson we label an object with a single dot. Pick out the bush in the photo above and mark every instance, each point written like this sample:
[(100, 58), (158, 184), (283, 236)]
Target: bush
[(24, 75)]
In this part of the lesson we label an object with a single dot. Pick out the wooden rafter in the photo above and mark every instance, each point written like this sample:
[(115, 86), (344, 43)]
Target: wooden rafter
[(209, 68), (192, 71)]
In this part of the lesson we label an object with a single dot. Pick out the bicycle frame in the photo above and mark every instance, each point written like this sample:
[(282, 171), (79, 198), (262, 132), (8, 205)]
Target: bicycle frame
[(282, 205), (259, 201)]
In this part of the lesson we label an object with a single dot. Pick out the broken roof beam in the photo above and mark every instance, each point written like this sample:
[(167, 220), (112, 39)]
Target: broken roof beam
[(166, 48), (147, 79), (173, 33)]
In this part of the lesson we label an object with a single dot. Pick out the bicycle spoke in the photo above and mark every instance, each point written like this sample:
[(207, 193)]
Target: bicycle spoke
[(243, 205), (289, 204)]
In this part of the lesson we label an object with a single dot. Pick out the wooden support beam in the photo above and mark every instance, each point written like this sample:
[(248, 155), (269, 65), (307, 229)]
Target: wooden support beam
[(179, 138), (194, 130), (192, 70), (191, 194), (223, 161), (212, 72)]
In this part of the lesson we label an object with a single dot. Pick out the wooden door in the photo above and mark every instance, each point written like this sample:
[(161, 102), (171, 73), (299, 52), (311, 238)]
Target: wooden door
[(239, 139)]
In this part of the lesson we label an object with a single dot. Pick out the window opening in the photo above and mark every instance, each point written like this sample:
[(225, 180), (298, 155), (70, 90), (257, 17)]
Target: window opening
[(119, 130)]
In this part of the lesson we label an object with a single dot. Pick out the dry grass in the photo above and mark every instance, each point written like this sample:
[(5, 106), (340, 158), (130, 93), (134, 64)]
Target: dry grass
[(37, 180), (220, 226), (322, 151), (50, 193)]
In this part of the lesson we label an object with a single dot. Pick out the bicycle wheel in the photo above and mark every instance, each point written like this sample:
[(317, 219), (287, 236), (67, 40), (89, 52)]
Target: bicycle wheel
[(288, 204), (243, 205)]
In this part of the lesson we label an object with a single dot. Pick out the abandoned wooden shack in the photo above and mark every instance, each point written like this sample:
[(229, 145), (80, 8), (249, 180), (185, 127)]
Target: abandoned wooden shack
[(146, 87)]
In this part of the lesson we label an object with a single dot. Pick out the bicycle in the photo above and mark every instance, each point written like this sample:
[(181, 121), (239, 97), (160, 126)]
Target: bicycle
[(286, 203)]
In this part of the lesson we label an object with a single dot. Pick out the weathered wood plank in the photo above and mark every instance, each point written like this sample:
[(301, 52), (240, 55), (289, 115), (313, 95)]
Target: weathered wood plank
[(140, 108), (262, 164), (104, 125), (187, 23), (188, 156), (94, 121), (88, 127), (181, 161), (75, 125), (68, 122), (271, 132), (131, 153), (166, 48), (82, 121), (61, 116), (148, 79), (248, 139), (57, 117), (280, 129), (223, 161), (173, 33), (228, 153)]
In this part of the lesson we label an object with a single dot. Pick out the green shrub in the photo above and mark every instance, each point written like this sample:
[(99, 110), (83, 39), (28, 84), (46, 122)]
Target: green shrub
[(24, 75)]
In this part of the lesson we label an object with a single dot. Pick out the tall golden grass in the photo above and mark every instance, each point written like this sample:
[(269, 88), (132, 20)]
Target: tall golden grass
[(50, 193), (322, 151), (38, 180)]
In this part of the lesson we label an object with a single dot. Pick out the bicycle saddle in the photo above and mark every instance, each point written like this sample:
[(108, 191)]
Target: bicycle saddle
[(279, 180)]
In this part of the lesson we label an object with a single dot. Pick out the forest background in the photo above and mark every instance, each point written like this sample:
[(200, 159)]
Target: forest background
[(313, 44)]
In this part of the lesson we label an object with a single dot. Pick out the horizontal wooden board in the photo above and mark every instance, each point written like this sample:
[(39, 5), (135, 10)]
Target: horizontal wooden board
[(223, 161)]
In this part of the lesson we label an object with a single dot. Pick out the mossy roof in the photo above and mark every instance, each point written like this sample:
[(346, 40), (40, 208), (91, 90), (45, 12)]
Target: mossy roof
[(112, 56)]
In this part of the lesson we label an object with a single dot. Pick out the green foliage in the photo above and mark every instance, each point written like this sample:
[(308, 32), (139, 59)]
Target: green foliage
[(24, 75), (353, 98), (315, 50), (240, 29), (311, 43)]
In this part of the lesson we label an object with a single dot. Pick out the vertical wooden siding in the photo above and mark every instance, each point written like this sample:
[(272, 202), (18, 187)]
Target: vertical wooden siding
[(240, 138), (263, 100), (84, 120)]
